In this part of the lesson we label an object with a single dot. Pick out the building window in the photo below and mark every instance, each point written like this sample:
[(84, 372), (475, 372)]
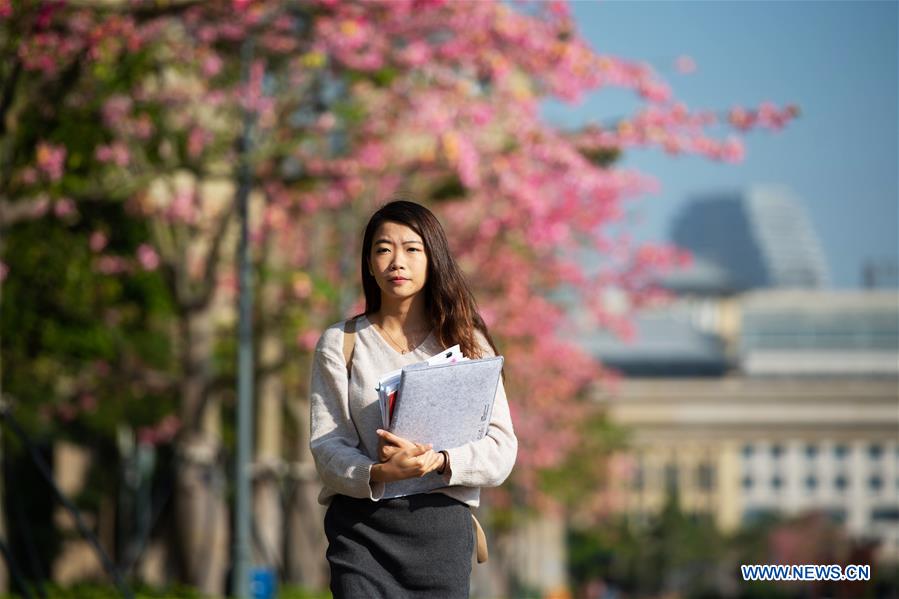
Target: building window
[(776, 482), (748, 450), (885, 514), (747, 482), (671, 477), (777, 451), (837, 515), (875, 483), (705, 476), (875, 451), (840, 451), (840, 482), (811, 483), (811, 451)]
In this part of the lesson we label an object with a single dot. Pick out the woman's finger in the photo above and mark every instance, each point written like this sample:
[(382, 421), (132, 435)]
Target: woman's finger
[(386, 452), (389, 437)]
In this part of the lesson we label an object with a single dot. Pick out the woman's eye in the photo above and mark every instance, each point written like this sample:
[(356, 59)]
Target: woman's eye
[(381, 250)]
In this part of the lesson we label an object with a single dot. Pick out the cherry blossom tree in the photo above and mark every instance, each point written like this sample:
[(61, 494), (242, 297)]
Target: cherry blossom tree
[(141, 104)]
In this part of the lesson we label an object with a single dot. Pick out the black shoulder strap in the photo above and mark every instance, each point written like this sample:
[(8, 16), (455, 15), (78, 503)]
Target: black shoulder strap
[(349, 343)]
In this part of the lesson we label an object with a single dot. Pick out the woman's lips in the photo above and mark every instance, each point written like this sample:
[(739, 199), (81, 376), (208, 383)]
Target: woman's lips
[(398, 281)]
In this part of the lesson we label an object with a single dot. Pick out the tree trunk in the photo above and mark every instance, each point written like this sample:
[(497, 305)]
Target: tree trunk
[(306, 542), (201, 514)]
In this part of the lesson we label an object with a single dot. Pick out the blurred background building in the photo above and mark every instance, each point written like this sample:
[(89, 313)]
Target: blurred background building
[(758, 238), (759, 392)]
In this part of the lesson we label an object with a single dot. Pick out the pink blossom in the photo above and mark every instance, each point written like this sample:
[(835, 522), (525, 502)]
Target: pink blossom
[(685, 64), (111, 265), (740, 119), (51, 160), (197, 140), (416, 53), (183, 207), (768, 115), (212, 65), (98, 241), (116, 110), (116, 153), (559, 8), (253, 93), (45, 13), (167, 428), (5, 9), (372, 156), (143, 127), (64, 207), (307, 340), (326, 121), (28, 175), (481, 114), (41, 206), (732, 150), (87, 402), (147, 256)]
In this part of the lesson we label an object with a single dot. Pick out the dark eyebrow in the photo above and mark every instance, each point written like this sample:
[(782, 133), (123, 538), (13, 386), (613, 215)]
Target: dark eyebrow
[(404, 243)]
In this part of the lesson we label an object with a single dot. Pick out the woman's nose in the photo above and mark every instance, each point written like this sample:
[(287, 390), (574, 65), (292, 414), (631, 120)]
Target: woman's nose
[(396, 263)]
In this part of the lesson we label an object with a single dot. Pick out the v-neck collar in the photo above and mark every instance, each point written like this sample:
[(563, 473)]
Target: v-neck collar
[(390, 345)]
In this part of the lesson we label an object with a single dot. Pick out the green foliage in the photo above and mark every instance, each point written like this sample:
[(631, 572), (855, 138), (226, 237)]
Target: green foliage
[(76, 341), (672, 552), (602, 157), (583, 472), (295, 592)]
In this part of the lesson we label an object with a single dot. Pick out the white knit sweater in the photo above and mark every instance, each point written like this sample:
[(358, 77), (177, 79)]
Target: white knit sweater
[(343, 440)]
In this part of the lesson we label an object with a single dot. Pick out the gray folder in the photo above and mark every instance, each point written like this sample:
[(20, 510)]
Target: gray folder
[(447, 405)]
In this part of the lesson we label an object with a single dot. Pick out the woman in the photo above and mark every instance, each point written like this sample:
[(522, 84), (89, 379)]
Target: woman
[(417, 303)]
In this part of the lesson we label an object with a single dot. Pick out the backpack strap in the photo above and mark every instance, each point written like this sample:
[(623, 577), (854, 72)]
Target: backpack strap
[(349, 344)]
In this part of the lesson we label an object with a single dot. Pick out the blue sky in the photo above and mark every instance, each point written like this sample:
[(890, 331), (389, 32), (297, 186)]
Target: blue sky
[(837, 60)]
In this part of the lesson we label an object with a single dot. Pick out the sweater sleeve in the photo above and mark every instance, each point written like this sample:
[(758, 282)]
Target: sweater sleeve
[(488, 462), (333, 439)]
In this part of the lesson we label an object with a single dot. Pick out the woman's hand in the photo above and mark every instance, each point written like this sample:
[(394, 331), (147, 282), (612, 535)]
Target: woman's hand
[(402, 459), (389, 444)]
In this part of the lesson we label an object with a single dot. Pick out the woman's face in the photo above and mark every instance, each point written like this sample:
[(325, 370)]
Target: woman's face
[(398, 261)]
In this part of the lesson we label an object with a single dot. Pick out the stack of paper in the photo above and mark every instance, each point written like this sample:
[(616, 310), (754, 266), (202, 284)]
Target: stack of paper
[(389, 384), (447, 404)]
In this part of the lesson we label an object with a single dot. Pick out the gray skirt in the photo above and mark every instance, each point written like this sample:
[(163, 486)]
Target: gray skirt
[(415, 546)]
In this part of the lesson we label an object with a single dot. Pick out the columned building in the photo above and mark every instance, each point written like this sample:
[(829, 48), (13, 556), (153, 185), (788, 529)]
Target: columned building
[(737, 449), (801, 415)]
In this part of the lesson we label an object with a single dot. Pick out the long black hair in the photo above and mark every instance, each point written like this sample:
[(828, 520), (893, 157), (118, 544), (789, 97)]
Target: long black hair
[(449, 303)]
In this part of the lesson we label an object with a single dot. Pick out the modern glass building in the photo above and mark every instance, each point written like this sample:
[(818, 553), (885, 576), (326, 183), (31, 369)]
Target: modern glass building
[(758, 238)]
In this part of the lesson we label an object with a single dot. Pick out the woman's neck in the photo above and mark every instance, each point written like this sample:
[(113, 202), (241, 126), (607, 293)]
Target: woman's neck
[(408, 317)]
